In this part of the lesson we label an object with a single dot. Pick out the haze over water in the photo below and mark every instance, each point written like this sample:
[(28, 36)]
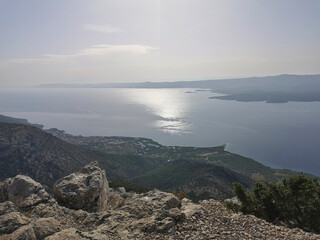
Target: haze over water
[(279, 135)]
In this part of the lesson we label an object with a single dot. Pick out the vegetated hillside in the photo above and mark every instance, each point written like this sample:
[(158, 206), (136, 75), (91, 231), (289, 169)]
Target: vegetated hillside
[(247, 167), (253, 169), (29, 150), (129, 186), (200, 172), (197, 179), (161, 154), (46, 158), (122, 166)]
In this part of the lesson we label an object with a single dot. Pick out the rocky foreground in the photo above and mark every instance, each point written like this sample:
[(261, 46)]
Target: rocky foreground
[(84, 207)]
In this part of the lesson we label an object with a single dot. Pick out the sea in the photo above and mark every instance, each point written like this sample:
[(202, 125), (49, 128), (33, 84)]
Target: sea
[(285, 135)]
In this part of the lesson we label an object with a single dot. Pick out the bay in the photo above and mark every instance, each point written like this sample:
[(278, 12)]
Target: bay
[(279, 135)]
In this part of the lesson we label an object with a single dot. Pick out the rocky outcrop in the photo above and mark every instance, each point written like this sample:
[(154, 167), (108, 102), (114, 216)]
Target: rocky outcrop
[(11, 221), (10, 218), (23, 191), (189, 208), (7, 207), (151, 215), (38, 230), (87, 189)]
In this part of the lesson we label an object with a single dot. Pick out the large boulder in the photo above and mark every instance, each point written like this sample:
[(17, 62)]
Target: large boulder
[(23, 191), (87, 189)]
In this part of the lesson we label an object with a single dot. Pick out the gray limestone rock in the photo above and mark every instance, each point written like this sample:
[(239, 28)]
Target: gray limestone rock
[(87, 189), (115, 201), (165, 225), (37, 230), (176, 214), (7, 207), (11, 221), (173, 202), (23, 191), (74, 234)]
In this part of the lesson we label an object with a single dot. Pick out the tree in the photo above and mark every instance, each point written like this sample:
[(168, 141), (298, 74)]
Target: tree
[(295, 201)]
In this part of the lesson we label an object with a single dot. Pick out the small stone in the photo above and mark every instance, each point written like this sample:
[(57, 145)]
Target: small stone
[(173, 202), (176, 214), (121, 190), (44, 227), (115, 201), (165, 225)]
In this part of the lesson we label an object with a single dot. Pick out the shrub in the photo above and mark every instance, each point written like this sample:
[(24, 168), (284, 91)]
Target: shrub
[(295, 201)]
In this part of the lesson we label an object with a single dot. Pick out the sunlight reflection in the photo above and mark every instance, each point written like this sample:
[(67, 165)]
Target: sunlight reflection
[(170, 105)]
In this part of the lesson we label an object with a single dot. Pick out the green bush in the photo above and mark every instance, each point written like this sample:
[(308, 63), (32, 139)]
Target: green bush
[(129, 186), (295, 201)]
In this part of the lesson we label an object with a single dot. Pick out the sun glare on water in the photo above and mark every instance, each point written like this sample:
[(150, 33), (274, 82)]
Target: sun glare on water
[(170, 106)]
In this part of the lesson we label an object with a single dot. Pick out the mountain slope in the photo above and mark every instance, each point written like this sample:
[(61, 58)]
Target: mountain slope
[(31, 151), (162, 155), (198, 179), (200, 172), (46, 158)]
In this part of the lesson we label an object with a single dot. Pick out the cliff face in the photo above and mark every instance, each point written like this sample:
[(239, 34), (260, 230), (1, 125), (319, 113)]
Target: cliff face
[(34, 214)]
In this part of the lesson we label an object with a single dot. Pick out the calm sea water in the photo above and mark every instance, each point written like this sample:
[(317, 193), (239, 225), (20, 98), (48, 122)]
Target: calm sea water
[(279, 135)]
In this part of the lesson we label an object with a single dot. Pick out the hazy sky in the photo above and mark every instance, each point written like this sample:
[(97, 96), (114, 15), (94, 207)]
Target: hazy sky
[(91, 41)]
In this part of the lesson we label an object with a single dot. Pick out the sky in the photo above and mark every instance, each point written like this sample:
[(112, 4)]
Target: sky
[(95, 41)]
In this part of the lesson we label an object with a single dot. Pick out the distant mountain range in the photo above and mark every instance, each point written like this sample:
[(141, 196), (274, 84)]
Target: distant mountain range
[(272, 89), (47, 155)]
